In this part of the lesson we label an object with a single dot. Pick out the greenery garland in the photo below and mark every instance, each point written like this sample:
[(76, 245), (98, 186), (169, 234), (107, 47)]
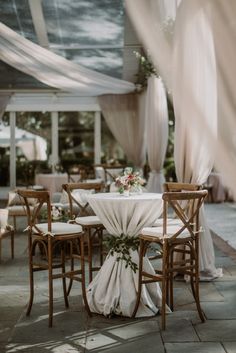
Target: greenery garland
[(147, 69), (122, 245)]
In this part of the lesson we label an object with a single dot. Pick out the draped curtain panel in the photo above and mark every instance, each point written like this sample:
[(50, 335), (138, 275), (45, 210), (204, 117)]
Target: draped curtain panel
[(146, 18), (194, 56), (221, 15), (55, 70), (190, 74), (125, 116), (157, 132)]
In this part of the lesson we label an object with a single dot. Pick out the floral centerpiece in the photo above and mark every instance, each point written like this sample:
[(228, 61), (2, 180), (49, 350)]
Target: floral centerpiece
[(130, 180)]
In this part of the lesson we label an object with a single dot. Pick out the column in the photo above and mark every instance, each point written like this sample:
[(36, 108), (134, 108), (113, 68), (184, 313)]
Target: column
[(97, 138), (12, 150), (55, 140)]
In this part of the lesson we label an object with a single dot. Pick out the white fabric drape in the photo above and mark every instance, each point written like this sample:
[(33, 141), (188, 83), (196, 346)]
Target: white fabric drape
[(55, 70), (222, 15), (34, 147), (194, 97), (114, 289), (146, 19), (194, 56), (157, 132), (124, 115)]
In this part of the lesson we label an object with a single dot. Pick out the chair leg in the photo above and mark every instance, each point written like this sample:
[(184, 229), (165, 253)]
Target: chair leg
[(197, 299), (63, 249), (164, 279), (31, 276), (50, 280), (83, 275), (171, 280), (14, 223), (12, 243), (100, 234), (140, 270), (0, 249), (196, 275), (71, 268), (90, 258)]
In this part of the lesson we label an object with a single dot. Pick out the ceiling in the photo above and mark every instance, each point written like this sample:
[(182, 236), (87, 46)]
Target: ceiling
[(94, 33)]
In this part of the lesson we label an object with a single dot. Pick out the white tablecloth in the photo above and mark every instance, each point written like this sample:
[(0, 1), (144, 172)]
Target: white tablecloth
[(219, 193), (114, 289), (52, 182)]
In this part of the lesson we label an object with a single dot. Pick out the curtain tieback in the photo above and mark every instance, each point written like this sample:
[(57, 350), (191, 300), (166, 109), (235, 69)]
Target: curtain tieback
[(155, 172)]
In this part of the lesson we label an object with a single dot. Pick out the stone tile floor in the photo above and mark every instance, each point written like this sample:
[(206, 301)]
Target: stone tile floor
[(73, 331)]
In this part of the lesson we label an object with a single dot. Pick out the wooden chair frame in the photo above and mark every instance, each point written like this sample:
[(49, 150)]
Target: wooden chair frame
[(49, 242), (179, 187), (91, 231), (189, 217)]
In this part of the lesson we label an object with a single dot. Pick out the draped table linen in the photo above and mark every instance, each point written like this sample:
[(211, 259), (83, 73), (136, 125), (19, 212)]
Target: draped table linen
[(114, 289)]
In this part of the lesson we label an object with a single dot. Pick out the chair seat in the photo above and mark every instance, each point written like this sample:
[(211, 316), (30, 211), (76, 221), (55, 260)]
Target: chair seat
[(59, 228), (88, 220), (157, 232), (170, 221), (17, 210)]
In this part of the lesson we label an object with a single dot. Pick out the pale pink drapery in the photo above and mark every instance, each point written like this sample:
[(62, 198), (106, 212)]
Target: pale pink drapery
[(124, 115), (194, 54), (54, 70), (221, 15), (193, 110), (156, 132)]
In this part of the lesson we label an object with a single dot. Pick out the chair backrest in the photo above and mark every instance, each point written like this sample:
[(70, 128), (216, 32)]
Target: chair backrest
[(175, 187), (180, 187), (40, 198), (186, 206), (112, 172), (78, 197), (13, 199)]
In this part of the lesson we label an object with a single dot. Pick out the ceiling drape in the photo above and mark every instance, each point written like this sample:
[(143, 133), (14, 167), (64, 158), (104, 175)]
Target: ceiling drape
[(55, 70)]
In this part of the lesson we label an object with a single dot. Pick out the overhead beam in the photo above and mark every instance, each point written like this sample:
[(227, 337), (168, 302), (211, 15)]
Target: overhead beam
[(39, 22), (94, 46)]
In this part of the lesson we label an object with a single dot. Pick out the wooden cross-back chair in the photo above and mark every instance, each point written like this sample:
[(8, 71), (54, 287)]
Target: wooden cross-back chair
[(111, 173), (177, 187), (90, 223), (48, 236), (186, 206)]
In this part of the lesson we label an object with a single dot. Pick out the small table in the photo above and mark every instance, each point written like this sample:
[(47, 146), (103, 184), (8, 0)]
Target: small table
[(219, 193), (52, 182), (114, 288)]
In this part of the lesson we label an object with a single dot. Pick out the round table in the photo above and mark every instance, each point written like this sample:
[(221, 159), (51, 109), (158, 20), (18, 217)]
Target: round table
[(114, 288)]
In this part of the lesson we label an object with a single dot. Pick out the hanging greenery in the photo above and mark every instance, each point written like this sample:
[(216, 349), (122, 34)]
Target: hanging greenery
[(122, 246), (146, 69)]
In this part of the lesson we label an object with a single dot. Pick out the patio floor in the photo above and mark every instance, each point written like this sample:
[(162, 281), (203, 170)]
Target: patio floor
[(73, 331)]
